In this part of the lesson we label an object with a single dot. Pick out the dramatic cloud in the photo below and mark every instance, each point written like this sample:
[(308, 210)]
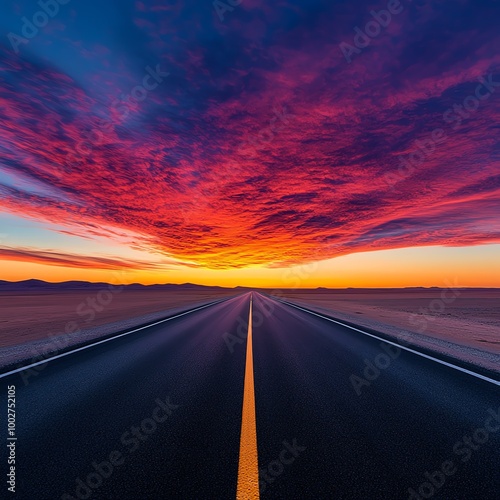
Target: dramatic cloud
[(53, 258), (254, 140)]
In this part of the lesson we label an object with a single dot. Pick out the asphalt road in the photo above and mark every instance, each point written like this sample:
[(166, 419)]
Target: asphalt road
[(158, 414), (83, 407)]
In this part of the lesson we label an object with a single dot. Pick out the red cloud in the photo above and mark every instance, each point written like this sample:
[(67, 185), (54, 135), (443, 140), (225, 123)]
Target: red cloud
[(270, 152)]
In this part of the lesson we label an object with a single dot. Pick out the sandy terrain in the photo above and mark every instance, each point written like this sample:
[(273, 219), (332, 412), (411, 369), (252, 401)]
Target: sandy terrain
[(30, 316), (32, 323), (463, 322)]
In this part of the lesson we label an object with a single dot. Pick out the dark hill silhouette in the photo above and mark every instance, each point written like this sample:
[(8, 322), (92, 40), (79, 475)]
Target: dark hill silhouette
[(35, 285)]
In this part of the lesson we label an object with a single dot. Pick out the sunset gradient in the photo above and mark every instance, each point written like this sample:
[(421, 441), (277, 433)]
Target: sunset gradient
[(253, 148)]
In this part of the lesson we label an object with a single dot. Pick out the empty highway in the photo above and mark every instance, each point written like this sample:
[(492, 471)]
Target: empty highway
[(310, 409)]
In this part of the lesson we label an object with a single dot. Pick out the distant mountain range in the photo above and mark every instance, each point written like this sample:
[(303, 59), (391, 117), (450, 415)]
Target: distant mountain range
[(33, 285)]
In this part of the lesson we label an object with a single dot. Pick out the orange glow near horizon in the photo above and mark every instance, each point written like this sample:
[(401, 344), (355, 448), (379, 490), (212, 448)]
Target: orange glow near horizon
[(427, 266), (256, 155)]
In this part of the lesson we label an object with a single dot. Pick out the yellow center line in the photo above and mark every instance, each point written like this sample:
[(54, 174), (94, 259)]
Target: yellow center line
[(248, 468)]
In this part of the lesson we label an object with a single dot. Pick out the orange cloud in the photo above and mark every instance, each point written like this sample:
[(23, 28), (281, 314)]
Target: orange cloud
[(259, 149)]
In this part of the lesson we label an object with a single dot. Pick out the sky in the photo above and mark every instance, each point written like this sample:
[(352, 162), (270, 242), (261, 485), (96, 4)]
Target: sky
[(301, 144)]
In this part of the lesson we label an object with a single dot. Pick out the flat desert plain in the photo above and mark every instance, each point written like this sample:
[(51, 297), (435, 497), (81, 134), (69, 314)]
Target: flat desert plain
[(29, 316), (461, 321)]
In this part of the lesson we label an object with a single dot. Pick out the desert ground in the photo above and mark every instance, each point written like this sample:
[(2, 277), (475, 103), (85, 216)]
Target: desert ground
[(463, 322), (37, 324), (28, 316), (468, 319)]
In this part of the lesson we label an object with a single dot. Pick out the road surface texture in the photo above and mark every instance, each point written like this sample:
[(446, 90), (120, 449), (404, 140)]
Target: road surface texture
[(315, 410)]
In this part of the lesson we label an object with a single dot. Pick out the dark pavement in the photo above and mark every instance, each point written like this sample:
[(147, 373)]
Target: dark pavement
[(157, 414)]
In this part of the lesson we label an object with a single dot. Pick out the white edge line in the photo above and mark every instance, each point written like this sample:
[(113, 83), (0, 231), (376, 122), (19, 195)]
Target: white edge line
[(437, 360), (17, 370)]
